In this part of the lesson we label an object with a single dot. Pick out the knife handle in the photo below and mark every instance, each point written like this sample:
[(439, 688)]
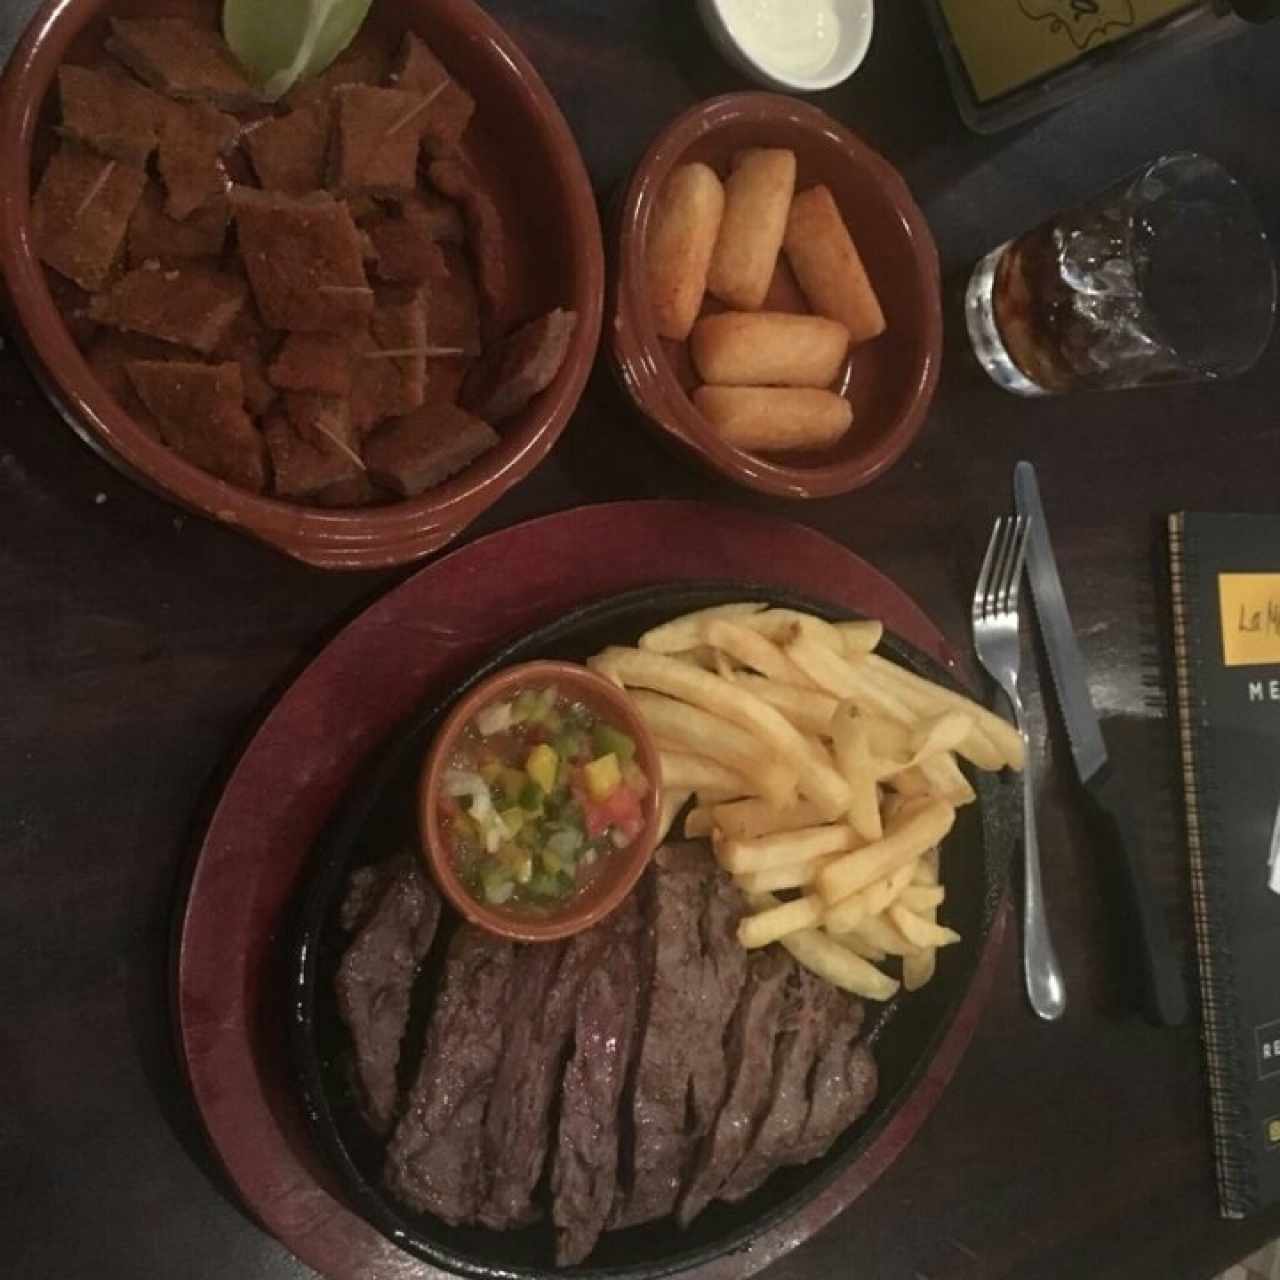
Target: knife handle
[(1164, 993)]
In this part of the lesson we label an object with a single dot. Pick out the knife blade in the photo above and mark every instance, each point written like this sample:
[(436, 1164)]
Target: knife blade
[(1163, 991), (1273, 860)]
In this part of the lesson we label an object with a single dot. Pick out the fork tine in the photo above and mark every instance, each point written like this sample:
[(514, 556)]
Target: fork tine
[(1014, 584), (1004, 560), (984, 578)]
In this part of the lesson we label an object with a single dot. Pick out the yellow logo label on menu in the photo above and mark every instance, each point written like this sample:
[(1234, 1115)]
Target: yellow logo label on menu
[(1250, 618), (1273, 1132)]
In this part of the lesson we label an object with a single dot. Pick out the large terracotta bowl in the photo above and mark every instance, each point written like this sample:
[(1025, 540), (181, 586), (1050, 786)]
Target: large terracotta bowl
[(890, 381), (519, 140)]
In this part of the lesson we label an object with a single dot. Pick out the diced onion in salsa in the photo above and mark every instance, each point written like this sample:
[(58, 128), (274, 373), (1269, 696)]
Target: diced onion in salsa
[(540, 793)]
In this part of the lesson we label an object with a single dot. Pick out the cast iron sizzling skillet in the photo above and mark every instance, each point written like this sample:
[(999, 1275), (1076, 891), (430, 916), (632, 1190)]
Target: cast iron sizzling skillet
[(379, 818)]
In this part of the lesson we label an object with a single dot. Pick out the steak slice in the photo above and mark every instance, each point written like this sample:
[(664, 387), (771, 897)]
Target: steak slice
[(806, 1022), (844, 1085), (749, 1051), (375, 981), (698, 970), (585, 1172), (434, 1159), (519, 1123)]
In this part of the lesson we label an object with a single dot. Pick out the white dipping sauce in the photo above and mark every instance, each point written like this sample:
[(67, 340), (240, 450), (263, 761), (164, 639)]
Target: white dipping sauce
[(793, 37)]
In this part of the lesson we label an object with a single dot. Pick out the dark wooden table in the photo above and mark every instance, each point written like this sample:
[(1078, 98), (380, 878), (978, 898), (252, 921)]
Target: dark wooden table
[(137, 646)]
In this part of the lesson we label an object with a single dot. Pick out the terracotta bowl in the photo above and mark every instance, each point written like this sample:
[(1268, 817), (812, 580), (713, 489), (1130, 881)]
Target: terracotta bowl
[(519, 140), (621, 870), (889, 381)]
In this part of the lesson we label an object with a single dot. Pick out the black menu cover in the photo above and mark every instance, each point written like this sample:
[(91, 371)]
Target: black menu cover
[(1226, 614)]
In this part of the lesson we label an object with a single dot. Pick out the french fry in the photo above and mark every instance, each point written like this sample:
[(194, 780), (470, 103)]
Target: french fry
[(928, 868), (750, 649), (860, 637), (909, 782), (699, 823), (933, 737), (784, 848), (685, 633), (807, 708), (912, 833), (859, 946), (918, 969), (678, 726), (854, 758), (879, 931), (700, 773), (747, 819), (946, 781), (874, 900), (702, 655), (775, 923), (781, 625), (836, 675), (798, 875), (818, 780), (922, 898), (833, 963), (673, 800), (920, 932), (1006, 739)]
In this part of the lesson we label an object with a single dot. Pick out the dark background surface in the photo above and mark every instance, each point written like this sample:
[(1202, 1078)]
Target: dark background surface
[(138, 645)]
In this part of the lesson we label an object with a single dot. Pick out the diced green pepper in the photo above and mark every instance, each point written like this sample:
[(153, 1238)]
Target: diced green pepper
[(610, 741), (532, 797)]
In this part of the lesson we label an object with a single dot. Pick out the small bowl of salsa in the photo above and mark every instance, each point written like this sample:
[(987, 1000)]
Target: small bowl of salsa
[(539, 801)]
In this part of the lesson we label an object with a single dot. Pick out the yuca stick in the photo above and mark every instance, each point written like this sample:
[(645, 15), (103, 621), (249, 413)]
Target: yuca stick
[(860, 637), (835, 964), (676, 725), (686, 632), (807, 708), (673, 800), (798, 875), (1005, 737), (909, 838), (700, 773), (919, 932), (775, 923), (753, 650), (818, 779), (784, 848), (682, 240), (748, 819)]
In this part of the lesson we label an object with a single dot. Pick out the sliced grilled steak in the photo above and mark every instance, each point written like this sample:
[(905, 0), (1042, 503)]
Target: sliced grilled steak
[(749, 1054), (434, 1160), (585, 1172), (698, 969), (518, 1127), (844, 1084), (810, 1011), (375, 977)]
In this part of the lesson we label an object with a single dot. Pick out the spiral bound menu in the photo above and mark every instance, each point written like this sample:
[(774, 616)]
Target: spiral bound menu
[(1226, 620)]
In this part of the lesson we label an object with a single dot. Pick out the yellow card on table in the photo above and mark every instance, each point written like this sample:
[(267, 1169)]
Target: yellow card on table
[(1250, 604), (1005, 44)]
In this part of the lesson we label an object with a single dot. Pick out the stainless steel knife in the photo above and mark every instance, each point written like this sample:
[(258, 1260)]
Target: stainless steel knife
[(1164, 996)]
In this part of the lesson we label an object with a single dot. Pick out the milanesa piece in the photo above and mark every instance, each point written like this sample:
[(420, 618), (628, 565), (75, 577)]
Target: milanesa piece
[(698, 971), (303, 259), (411, 454), (81, 213), (191, 304), (376, 137), (183, 61), (749, 1054), (110, 113), (289, 152), (375, 981), (200, 412), (449, 107), (193, 143), (459, 181), (435, 1158), (584, 1175), (156, 237), (511, 372), (319, 362)]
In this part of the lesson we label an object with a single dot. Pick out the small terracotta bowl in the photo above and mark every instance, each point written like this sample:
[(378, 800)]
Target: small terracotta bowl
[(519, 140), (622, 868), (890, 381)]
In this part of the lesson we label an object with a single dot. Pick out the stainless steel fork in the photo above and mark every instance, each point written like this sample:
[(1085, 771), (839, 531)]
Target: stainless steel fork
[(996, 639)]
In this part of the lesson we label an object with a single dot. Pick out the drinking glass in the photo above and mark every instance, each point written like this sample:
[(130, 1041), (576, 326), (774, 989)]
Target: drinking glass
[(1165, 277)]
